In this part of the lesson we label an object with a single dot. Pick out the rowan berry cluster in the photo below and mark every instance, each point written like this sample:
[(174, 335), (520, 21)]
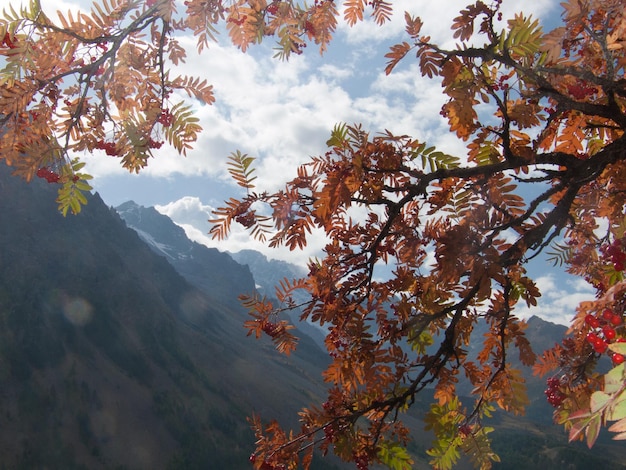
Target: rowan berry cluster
[(465, 429), (330, 432), (272, 8), (49, 175), (309, 28), (108, 147), (335, 343), (553, 393), (166, 118), (615, 252), (580, 90), (270, 328), (604, 330), (361, 461), (111, 149), (155, 144), (246, 219), (501, 84), (238, 21)]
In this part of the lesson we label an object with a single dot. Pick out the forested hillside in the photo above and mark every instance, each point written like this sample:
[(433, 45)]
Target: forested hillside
[(110, 359)]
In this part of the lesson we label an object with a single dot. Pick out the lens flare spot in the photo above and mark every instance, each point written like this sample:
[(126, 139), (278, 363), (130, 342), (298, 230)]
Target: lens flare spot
[(77, 311)]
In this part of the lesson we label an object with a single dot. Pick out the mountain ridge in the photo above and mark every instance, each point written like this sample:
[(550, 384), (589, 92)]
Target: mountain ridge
[(110, 358)]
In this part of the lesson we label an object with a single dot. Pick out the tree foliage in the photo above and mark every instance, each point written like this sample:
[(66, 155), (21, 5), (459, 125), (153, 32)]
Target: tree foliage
[(542, 115)]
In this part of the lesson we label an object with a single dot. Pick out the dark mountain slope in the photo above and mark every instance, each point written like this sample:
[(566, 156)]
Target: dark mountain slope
[(218, 274), (110, 359), (207, 268)]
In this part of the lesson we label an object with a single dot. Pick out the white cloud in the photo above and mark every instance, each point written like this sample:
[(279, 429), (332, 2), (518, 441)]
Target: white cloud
[(434, 15), (192, 215), (560, 296)]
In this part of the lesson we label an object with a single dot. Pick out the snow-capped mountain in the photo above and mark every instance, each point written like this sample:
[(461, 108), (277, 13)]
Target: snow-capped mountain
[(206, 268)]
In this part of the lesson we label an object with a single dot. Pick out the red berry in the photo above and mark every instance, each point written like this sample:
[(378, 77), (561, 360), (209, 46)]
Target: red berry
[(607, 314), (155, 144), (617, 358), (609, 333), (592, 338), (272, 8), (600, 346), (592, 321), (616, 320), (465, 429), (166, 118)]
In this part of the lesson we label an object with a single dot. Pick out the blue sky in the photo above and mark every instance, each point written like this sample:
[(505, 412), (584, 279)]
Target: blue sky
[(282, 113)]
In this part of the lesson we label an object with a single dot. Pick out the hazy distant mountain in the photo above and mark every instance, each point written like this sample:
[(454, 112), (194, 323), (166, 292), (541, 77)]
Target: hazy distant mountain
[(109, 358), (216, 273), (268, 273), (223, 276)]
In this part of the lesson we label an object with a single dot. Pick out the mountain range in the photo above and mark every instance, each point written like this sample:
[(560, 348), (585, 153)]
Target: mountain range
[(122, 347), (110, 358)]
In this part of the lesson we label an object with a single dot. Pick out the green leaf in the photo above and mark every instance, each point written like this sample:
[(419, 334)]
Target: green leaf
[(614, 379), (618, 410), (83, 186), (338, 136), (593, 430), (394, 456), (619, 348), (598, 401), (421, 342)]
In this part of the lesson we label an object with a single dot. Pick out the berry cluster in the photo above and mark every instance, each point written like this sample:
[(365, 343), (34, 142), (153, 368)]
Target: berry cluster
[(108, 147), (238, 21), (553, 393), (580, 90), (272, 8), (166, 118), (247, 219), (361, 461), (309, 28), (336, 343), (604, 330), (501, 83), (7, 41), (615, 252), (330, 432), (49, 175), (155, 144), (465, 429), (111, 149), (270, 328), (266, 465)]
